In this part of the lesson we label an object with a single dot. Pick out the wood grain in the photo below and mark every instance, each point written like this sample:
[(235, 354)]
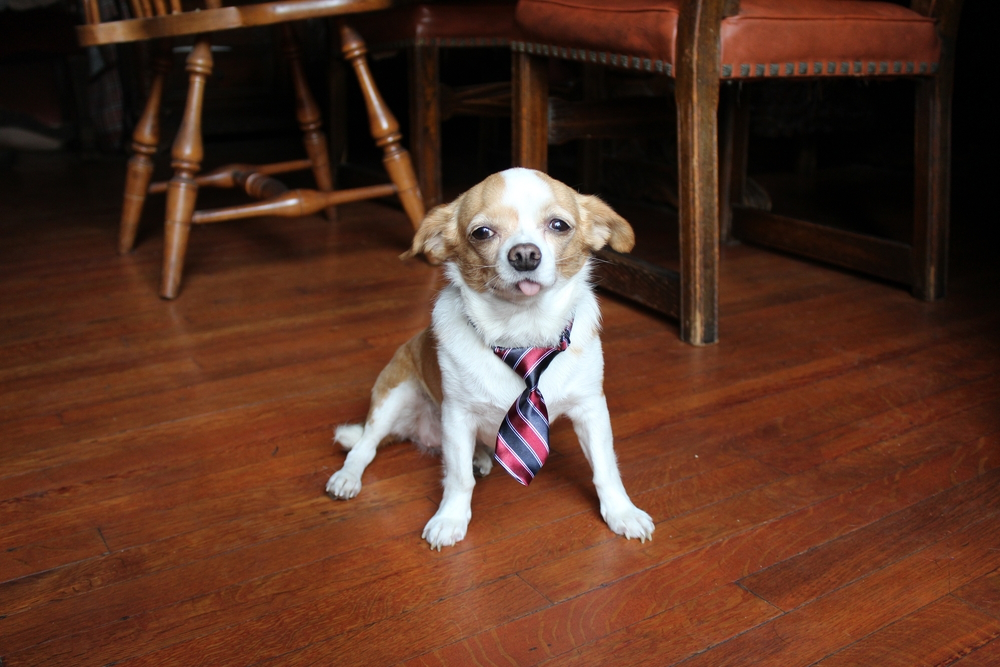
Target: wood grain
[(938, 634)]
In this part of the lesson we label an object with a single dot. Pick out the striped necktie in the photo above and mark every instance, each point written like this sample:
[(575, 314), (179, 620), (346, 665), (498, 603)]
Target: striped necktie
[(523, 439)]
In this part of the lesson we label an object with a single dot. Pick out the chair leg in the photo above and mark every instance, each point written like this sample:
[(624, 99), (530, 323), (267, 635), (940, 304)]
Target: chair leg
[(932, 172), (530, 111), (145, 140), (697, 95), (425, 120), (187, 155), (697, 176), (384, 128), (308, 115)]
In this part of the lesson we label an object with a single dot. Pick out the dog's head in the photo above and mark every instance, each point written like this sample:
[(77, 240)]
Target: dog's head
[(519, 232)]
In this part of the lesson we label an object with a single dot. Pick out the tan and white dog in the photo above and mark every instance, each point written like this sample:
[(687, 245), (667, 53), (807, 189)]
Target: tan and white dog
[(516, 250)]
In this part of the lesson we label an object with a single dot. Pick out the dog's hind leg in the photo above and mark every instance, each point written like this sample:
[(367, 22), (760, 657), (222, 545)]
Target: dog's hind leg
[(482, 460), (391, 416)]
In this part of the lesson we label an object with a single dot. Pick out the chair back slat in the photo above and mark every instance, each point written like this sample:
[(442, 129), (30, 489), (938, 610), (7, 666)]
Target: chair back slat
[(161, 7), (175, 7)]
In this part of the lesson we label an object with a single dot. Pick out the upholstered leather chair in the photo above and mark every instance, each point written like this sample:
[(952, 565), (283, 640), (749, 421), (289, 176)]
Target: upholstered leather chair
[(163, 19), (703, 44)]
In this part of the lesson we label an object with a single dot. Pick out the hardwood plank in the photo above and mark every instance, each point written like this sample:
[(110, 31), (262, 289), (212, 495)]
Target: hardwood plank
[(25, 559), (939, 634), (815, 630), (355, 642), (131, 592), (986, 656), (983, 593), (660, 639), (797, 580)]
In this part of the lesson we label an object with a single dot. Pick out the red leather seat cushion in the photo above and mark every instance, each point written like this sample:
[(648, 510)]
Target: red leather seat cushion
[(460, 24), (766, 38)]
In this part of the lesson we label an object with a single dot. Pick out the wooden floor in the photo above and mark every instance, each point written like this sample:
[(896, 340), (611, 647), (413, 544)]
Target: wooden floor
[(825, 481)]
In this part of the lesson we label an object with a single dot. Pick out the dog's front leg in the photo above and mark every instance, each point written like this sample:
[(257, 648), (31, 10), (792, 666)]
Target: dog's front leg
[(592, 424), (458, 442)]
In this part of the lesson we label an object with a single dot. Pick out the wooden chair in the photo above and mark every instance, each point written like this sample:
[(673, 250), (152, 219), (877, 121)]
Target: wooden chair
[(156, 20), (704, 43)]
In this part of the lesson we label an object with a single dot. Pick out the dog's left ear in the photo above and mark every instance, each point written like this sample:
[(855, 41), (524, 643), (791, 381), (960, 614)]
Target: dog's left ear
[(603, 226)]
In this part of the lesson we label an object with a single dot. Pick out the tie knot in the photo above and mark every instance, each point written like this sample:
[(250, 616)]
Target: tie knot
[(529, 362)]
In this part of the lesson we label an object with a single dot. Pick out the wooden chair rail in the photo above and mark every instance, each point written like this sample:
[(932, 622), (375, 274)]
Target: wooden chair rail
[(225, 177), (884, 258), (610, 119), (293, 203), (639, 281), (484, 99)]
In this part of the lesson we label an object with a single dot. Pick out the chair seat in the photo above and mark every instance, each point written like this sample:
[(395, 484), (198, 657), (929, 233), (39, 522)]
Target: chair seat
[(440, 24), (767, 38)]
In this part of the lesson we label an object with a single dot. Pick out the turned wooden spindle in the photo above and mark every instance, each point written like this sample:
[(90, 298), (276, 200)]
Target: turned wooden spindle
[(308, 114), (258, 185), (384, 128), (145, 139), (91, 11), (187, 155), (223, 177), (292, 203)]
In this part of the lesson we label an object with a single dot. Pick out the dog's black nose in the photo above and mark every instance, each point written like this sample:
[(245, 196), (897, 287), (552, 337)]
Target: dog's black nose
[(525, 257)]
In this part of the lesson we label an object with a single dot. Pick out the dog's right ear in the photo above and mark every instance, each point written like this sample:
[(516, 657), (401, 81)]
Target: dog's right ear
[(435, 236)]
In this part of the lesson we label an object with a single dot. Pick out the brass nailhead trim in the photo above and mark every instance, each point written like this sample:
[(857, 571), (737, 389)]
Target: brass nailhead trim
[(727, 71)]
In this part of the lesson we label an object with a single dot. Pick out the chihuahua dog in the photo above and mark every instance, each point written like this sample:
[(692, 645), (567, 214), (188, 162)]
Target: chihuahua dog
[(516, 250)]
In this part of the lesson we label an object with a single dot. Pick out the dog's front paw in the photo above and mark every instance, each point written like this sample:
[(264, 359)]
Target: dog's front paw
[(445, 531), (343, 485), (629, 521)]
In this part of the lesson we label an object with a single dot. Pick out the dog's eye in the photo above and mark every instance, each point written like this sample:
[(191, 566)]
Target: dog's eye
[(482, 233), (559, 225)]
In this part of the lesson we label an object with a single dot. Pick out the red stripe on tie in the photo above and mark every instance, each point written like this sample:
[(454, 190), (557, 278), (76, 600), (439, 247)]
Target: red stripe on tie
[(512, 464), (538, 442)]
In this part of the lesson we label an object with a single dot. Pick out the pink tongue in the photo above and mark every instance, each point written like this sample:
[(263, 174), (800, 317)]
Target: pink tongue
[(529, 288)]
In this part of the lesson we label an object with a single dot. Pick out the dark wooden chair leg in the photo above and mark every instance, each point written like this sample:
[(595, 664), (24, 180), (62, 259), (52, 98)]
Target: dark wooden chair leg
[(187, 154), (932, 160), (530, 109), (145, 139), (384, 128), (425, 120), (697, 93), (308, 115)]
